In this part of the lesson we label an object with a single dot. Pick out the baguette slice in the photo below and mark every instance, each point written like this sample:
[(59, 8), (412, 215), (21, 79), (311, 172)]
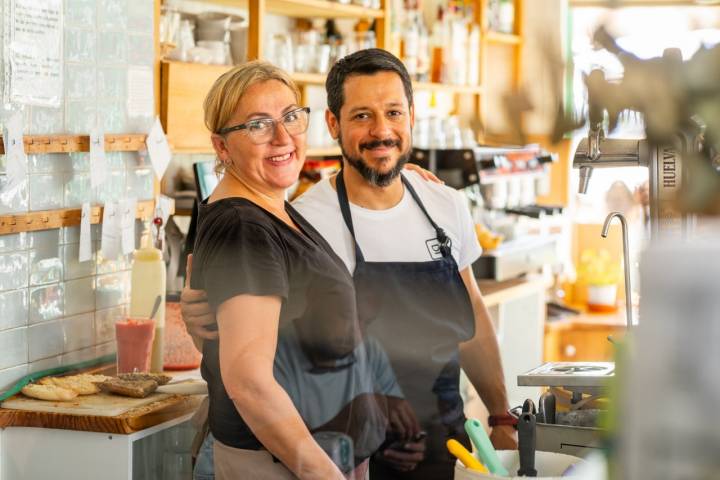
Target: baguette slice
[(129, 388), (159, 378), (51, 393), (83, 384)]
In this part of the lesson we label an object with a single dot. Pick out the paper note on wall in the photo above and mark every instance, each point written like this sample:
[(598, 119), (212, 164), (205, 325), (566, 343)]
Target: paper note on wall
[(158, 149), (110, 239), (128, 208), (98, 160), (85, 234), (33, 57), (15, 159), (140, 90)]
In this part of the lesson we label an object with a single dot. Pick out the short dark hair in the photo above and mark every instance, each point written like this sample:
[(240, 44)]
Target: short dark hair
[(363, 62)]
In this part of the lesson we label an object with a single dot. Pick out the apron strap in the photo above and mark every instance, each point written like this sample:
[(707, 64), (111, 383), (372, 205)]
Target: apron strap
[(345, 210), (439, 231)]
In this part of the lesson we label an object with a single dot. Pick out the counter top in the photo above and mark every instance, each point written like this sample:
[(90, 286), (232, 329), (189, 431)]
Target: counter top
[(495, 293), (131, 421), (138, 416)]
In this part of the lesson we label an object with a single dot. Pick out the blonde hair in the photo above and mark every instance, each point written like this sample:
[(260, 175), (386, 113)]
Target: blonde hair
[(226, 93)]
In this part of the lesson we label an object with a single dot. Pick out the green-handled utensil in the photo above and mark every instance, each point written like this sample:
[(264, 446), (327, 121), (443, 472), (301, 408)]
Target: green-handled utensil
[(485, 449)]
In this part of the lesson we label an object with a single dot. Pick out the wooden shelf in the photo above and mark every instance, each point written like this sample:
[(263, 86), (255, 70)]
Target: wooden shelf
[(309, 78), (308, 8), (502, 38), (67, 217), (441, 87), (323, 152), (310, 152), (319, 79), (80, 143), (320, 8)]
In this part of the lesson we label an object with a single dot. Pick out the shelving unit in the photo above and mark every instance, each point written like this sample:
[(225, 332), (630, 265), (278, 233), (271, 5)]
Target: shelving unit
[(492, 39), (184, 85)]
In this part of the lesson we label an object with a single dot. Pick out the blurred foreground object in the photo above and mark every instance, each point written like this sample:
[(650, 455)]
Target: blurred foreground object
[(680, 105), (672, 367)]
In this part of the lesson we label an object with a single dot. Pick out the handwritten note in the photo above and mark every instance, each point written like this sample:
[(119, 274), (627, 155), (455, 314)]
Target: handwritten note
[(15, 159), (158, 149), (85, 234), (98, 160)]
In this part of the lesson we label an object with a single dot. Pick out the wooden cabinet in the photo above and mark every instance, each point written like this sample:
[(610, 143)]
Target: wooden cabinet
[(183, 90), (183, 86)]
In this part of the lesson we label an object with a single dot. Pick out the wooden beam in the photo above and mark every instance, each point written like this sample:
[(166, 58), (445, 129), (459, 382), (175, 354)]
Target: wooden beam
[(256, 9), (519, 29), (382, 27)]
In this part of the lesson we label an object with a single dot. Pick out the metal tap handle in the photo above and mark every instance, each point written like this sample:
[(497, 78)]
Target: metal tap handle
[(626, 261)]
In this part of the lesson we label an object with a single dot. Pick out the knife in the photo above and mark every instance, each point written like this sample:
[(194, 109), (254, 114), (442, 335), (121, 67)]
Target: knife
[(190, 387)]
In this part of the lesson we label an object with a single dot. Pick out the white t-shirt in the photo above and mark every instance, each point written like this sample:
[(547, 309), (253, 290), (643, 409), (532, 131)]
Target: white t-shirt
[(399, 234)]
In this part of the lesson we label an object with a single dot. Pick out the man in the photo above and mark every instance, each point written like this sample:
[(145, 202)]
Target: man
[(410, 244)]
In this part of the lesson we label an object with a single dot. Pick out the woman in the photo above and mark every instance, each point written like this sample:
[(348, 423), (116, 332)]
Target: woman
[(264, 267)]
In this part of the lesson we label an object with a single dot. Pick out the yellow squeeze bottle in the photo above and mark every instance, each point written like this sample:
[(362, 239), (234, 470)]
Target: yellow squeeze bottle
[(467, 458), (148, 281)]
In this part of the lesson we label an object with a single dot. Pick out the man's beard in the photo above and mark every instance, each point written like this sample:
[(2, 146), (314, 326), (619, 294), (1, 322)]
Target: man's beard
[(370, 174)]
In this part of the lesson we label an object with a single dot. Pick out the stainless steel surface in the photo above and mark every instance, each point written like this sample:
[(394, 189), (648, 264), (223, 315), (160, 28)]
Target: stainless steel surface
[(667, 161), (578, 441), (570, 375), (515, 258), (598, 151), (626, 261)]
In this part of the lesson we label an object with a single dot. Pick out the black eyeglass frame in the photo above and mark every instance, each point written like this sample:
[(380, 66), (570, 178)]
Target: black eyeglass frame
[(244, 126)]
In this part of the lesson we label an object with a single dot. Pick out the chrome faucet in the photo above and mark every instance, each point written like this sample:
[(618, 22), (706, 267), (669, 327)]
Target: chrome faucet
[(626, 261)]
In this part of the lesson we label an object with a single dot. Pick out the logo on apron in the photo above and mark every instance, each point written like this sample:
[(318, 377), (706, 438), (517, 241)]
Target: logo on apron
[(434, 246)]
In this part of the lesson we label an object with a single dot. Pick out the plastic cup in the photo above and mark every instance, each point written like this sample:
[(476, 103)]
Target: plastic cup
[(134, 338)]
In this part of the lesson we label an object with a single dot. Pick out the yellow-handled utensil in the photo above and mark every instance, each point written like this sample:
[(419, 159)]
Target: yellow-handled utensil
[(467, 458)]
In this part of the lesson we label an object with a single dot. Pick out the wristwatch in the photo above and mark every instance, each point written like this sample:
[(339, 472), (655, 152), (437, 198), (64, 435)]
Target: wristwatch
[(503, 419)]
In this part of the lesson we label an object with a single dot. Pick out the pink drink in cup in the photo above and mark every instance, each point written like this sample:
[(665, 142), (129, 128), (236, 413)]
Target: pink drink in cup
[(134, 344)]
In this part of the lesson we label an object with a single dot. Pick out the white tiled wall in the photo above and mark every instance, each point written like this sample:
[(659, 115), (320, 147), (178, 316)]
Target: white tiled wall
[(55, 310)]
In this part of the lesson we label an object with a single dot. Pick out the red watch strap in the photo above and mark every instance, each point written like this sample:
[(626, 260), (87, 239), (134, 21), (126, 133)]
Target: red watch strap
[(504, 419)]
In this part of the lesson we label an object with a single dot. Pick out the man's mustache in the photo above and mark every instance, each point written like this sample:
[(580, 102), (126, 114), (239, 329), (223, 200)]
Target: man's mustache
[(388, 142)]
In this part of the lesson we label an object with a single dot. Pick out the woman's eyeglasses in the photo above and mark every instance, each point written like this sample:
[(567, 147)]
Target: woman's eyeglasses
[(262, 130)]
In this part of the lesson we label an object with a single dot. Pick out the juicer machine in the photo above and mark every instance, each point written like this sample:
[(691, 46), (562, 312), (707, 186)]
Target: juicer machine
[(568, 420)]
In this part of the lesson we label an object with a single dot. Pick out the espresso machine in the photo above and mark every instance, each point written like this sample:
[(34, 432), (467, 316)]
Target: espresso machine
[(501, 184)]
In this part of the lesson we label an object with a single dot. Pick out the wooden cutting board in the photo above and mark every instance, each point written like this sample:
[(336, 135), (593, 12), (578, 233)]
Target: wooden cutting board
[(100, 404), (101, 412)]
